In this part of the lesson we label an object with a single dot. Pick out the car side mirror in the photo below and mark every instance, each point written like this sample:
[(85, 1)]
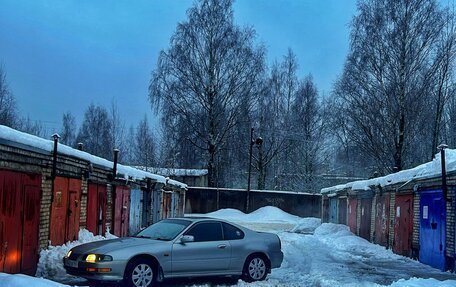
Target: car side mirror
[(187, 238)]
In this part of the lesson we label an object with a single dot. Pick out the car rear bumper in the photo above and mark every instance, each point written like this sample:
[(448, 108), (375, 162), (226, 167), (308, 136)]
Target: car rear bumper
[(86, 270), (276, 259)]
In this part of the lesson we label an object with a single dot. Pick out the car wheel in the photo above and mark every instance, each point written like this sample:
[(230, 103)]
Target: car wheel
[(140, 273), (255, 269)]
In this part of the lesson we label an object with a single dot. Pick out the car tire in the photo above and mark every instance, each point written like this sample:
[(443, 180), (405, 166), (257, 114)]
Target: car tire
[(255, 268), (140, 273)]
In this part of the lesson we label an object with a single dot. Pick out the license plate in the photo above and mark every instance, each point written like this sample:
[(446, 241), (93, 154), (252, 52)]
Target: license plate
[(72, 263)]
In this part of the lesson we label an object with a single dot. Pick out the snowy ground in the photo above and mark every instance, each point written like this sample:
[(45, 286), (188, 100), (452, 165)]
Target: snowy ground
[(315, 255)]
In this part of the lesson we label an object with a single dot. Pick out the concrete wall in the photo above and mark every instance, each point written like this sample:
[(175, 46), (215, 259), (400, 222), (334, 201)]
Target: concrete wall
[(204, 200)]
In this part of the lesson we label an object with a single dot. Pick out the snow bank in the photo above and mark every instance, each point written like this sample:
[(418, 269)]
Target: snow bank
[(420, 282), (20, 280), (307, 225), (50, 264), (263, 214), (341, 238)]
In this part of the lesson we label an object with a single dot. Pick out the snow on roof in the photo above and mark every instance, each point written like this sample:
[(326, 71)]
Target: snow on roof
[(429, 169), (174, 171), (24, 139)]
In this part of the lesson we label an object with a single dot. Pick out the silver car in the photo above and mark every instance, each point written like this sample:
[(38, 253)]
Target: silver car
[(179, 247)]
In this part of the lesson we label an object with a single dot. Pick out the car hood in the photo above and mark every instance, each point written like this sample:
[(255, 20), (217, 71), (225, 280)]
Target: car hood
[(106, 246)]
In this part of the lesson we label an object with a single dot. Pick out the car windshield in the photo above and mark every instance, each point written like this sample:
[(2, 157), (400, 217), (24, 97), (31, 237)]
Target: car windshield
[(166, 229)]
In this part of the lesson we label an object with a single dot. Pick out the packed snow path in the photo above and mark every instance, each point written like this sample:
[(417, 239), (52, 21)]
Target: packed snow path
[(324, 255)]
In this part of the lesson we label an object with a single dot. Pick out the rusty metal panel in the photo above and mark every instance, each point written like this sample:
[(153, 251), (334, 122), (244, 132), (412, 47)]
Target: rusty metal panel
[(19, 220), (121, 210), (343, 210), (352, 207), (403, 224), (382, 212), (31, 223), (96, 208), (73, 210), (59, 211), (11, 209)]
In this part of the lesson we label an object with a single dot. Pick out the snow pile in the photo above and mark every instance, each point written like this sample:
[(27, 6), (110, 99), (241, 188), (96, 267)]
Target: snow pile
[(420, 282), (263, 214), (342, 239), (20, 280), (307, 225), (50, 264)]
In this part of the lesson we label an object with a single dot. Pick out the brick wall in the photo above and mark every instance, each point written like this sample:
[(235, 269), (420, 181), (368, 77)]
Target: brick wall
[(416, 223), (373, 214), (450, 223), (358, 216), (392, 218), (83, 214), (109, 206)]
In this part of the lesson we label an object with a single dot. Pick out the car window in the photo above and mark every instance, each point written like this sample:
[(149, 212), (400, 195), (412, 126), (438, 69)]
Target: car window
[(166, 229), (206, 231), (231, 232)]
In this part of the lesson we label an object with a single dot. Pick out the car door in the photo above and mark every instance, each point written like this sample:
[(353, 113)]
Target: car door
[(209, 253)]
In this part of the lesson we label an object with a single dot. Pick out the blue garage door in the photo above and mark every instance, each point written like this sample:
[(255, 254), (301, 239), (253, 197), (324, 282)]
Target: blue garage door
[(432, 228), (135, 211)]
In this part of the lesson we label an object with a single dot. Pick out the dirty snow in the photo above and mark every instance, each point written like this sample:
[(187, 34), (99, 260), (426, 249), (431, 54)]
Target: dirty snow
[(324, 255), (50, 264)]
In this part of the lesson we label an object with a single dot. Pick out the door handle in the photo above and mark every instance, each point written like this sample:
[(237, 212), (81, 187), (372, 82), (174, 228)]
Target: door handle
[(222, 246)]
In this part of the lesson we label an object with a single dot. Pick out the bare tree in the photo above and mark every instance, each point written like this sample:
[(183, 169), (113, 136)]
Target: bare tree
[(144, 146), (68, 133), (8, 112), (210, 71), (95, 132), (387, 75)]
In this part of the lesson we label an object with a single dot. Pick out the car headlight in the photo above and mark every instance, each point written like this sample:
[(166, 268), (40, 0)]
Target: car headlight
[(69, 254), (93, 258)]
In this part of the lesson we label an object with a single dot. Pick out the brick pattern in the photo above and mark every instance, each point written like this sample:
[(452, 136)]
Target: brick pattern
[(109, 207), (416, 222), (450, 223), (392, 218), (83, 201), (358, 216), (373, 214), (45, 209)]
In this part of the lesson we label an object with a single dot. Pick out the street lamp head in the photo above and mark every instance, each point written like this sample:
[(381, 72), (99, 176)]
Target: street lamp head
[(442, 146), (55, 136)]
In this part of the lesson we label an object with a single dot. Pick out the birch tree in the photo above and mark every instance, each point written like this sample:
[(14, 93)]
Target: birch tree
[(387, 76), (208, 73)]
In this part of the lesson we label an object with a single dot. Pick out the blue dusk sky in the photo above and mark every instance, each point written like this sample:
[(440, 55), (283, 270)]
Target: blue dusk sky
[(62, 55)]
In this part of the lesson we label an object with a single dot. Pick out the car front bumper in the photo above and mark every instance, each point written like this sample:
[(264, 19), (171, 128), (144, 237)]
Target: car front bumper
[(91, 271)]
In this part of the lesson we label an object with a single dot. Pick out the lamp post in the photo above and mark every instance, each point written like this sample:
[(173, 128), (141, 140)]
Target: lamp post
[(258, 141), (442, 148)]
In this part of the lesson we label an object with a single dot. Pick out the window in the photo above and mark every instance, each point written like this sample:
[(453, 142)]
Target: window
[(231, 232), (206, 231)]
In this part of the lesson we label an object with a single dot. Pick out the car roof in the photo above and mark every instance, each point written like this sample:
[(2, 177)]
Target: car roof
[(198, 218)]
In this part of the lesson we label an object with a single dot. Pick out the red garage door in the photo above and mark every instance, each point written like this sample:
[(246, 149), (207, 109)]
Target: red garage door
[(382, 212), (121, 211), (96, 209), (403, 225), (351, 220), (65, 210), (19, 221)]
